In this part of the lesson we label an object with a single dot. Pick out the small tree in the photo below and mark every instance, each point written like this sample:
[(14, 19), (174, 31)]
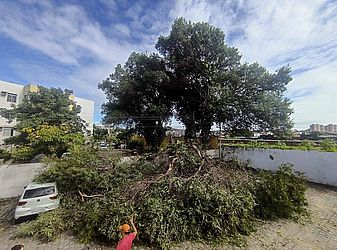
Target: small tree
[(100, 134), (47, 120), (53, 140)]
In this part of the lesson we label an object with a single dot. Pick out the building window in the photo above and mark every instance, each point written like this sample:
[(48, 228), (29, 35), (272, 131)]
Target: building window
[(7, 132), (11, 97)]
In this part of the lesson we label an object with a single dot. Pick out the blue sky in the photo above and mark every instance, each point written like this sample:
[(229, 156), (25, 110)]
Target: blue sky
[(76, 44)]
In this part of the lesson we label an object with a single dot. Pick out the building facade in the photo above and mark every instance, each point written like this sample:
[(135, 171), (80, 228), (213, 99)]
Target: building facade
[(12, 94), (330, 128)]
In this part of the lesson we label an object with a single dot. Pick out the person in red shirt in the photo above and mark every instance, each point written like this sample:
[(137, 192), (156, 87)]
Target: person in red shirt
[(127, 238)]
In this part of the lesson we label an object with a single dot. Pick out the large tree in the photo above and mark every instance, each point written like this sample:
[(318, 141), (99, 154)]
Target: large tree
[(137, 96), (197, 56), (213, 86), (203, 79), (251, 99)]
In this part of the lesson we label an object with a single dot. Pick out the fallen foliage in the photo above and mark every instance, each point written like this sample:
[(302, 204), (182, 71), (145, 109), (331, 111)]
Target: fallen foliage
[(178, 194)]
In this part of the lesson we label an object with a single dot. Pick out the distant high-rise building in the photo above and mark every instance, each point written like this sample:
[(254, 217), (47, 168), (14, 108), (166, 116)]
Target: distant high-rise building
[(322, 128), (330, 128)]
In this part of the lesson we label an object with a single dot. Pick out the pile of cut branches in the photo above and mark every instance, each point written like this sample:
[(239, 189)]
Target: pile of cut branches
[(177, 195)]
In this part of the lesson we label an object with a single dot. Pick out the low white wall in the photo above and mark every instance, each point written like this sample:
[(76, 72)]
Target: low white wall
[(319, 167), (13, 178)]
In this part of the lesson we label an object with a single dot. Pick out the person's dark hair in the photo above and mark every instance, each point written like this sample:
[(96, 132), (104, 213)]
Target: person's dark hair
[(17, 247)]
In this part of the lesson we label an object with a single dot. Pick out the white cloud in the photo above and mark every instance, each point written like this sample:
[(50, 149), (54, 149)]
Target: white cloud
[(302, 33), (66, 34), (124, 29)]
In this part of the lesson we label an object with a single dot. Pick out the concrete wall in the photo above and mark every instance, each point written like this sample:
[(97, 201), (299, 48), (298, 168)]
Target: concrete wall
[(13, 178), (319, 167)]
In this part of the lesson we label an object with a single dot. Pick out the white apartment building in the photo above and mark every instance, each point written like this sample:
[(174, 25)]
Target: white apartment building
[(330, 128), (13, 94)]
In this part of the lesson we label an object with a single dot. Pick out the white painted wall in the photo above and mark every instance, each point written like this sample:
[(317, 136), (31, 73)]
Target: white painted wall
[(12, 88), (13, 178), (319, 167)]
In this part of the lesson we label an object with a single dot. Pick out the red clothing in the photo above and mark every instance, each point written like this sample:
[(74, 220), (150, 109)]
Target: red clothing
[(126, 242)]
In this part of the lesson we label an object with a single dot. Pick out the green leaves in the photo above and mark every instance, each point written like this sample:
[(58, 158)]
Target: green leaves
[(203, 80), (219, 203), (47, 227), (48, 122), (281, 194), (46, 106), (137, 96)]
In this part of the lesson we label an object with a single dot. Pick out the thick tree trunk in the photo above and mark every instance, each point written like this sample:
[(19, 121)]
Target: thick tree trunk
[(205, 132), (154, 134), (190, 131)]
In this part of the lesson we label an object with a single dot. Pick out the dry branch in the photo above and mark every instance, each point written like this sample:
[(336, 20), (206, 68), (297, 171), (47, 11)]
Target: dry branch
[(83, 195)]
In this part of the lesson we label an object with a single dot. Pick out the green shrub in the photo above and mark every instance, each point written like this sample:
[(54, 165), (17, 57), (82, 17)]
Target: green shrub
[(307, 145), (23, 153), (46, 227), (165, 142), (195, 211), (280, 194), (4, 154), (328, 145), (176, 196), (137, 142), (79, 169)]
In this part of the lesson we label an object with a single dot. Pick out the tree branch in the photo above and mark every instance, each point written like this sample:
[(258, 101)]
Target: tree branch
[(83, 195)]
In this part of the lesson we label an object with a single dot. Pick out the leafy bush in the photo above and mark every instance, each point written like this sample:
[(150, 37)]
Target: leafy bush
[(46, 227), (280, 194), (165, 142), (80, 168), (307, 145), (195, 211), (328, 145), (23, 153), (178, 195), (137, 142), (4, 154)]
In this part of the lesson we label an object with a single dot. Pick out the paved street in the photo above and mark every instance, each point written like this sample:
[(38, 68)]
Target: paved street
[(318, 232)]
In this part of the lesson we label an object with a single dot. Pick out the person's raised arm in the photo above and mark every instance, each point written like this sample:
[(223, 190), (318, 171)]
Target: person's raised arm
[(133, 226)]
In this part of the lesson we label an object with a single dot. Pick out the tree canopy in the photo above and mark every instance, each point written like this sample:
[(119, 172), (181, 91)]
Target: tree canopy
[(200, 80), (47, 120), (100, 134), (137, 96), (51, 106)]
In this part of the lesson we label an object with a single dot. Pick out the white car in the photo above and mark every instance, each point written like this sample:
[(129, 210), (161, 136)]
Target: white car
[(103, 145), (36, 199)]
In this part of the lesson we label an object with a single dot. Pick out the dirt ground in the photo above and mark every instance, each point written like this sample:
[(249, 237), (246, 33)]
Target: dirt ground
[(317, 232)]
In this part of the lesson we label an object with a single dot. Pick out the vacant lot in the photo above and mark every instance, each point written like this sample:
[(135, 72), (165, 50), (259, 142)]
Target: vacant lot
[(317, 232)]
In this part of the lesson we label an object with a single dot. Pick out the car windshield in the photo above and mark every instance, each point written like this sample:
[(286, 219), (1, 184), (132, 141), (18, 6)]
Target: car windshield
[(37, 192)]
